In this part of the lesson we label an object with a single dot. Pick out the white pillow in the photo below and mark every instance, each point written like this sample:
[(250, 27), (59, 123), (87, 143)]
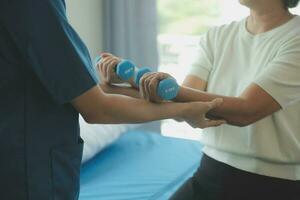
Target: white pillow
[(98, 136)]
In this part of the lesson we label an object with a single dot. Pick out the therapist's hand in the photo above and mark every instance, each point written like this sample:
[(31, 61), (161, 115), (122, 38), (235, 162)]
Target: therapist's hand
[(149, 84), (195, 114), (106, 69)]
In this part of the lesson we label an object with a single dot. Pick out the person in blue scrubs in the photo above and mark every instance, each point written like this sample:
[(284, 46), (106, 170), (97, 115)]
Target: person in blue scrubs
[(46, 80)]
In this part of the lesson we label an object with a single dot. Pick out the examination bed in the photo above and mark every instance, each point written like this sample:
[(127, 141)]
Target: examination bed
[(139, 166)]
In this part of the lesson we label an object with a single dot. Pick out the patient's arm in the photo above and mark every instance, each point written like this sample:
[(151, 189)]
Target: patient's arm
[(252, 105), (195, 82), (127, 91)]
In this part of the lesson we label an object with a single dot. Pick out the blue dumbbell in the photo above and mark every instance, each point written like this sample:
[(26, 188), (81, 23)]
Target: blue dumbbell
[(124, 70), (167, 88)]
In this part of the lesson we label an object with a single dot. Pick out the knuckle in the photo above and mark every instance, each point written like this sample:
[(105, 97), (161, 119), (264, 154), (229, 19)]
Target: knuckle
[(147, 82), (98, 66), (142, 81), (111, 68), (152, 85), (158, 100)]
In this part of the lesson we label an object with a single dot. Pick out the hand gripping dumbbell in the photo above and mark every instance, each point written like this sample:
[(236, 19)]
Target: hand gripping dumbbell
[(167, 88), (125, 70)]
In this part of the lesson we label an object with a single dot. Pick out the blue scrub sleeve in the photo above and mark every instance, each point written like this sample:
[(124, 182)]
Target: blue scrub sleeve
[(56, 53)]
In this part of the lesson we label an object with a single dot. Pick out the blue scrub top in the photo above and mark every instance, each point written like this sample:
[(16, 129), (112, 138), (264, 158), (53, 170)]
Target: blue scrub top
[(43, 66)]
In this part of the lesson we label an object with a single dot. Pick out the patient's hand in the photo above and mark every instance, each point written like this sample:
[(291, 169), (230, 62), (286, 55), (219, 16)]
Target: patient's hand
[(106, 69), (195, 114), (149, 84)]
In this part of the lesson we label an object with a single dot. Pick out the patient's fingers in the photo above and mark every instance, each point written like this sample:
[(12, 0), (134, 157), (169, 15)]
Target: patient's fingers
[(149, 83), (146, 87), (105, 62), (149, 92), (161, 76), (110, 71), (143, 86), (101, 70), (153, 85), (106, 67)]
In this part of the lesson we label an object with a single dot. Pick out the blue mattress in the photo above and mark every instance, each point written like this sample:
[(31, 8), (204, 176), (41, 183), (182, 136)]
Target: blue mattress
[(140, 166)]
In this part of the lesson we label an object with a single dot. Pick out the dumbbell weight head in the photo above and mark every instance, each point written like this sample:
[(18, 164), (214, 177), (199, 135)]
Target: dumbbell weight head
[(168, 89), (124, 70)]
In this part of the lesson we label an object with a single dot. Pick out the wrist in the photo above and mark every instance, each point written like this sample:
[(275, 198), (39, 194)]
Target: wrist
[(104, 86), (131, 82), (170, 110), (183, 109), (181, 94)]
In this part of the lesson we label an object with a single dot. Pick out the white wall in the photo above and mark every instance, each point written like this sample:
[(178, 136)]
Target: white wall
[(85, 16)]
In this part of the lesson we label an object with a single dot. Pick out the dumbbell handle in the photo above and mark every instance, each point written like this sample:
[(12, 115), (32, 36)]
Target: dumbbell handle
[(167, 88), (124, 70)]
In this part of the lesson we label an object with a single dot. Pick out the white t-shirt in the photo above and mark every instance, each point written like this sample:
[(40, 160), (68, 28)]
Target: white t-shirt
[(230, 59)]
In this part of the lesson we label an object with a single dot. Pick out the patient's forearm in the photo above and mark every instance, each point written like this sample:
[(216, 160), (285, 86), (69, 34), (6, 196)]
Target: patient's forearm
[(234, 110), (128, 91)]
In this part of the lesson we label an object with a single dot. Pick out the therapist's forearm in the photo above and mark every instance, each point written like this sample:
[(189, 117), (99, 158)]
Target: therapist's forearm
[(132, 110), (98, 107), (235, 110)]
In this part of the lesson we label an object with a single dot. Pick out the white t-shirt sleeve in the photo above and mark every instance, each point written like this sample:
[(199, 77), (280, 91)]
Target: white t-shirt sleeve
[(281, 78), (203, 61)]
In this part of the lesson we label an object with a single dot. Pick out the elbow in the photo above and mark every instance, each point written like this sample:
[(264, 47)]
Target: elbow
[(89, 119), (95, 119), (244, 120), (99, 114), (248, 114)]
